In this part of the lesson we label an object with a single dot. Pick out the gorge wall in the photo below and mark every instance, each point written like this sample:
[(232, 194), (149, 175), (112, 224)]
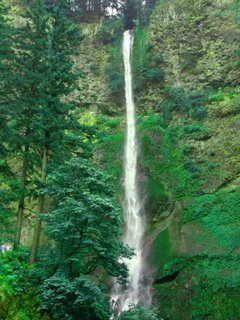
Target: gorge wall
[(186, 65), (188, 99)]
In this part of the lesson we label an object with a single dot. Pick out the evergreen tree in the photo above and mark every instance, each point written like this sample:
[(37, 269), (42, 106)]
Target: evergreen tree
[(31, 44), (7, 177), (84, 223), (56, 114), (38, 115), (88, 10), (6, 74)]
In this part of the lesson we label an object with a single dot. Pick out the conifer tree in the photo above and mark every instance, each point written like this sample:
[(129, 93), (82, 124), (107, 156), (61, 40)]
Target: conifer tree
[(7, 177), (31, 44), (39, 115), (6, 59), (88, 9), (59, 81)]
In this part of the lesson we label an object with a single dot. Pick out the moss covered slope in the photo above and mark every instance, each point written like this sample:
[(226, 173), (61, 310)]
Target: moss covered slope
[(191, 157)]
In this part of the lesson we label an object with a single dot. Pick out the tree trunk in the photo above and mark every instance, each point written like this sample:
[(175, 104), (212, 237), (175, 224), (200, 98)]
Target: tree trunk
[(21, 201), (38, 227)]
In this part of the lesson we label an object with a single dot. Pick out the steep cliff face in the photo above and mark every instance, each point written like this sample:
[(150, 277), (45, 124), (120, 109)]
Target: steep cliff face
[(191, 157), (188, 98), (187, 91), (93, 91)]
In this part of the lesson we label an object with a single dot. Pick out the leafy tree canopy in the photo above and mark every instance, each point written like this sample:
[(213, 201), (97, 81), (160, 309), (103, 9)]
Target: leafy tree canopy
[(140, 313), (84, 223)]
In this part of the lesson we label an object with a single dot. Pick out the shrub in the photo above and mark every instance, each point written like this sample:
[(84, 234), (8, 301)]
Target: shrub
[(188, 149), (199, 113), (179, 100), (140, 313), (116, 78), (110, 30), (154, 74)]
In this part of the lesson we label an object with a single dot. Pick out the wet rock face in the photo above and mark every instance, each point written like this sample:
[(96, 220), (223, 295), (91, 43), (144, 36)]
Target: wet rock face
[(198, 40), (192, 163), (192, 160)]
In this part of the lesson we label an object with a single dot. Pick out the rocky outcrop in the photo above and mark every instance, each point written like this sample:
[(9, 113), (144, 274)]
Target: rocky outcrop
[(193, 160)]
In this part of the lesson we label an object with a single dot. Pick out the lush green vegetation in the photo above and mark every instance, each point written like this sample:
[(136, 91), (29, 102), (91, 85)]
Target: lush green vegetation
[(61, 144), (40, 131), (140, 313)]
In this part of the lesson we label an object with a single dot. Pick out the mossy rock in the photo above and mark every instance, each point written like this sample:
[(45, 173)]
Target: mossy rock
[(198, 41)]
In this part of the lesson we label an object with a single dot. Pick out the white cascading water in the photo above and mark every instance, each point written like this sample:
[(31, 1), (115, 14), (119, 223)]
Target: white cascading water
[(122, 298)]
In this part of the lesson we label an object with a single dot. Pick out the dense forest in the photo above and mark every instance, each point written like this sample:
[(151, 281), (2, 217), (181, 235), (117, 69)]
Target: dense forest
[(63, 87)]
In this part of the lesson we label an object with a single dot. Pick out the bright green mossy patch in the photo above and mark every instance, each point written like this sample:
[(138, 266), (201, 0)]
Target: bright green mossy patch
[(18, 297), (162, 161), (109, 146), (220, 214), (161, 251), (207, 288)]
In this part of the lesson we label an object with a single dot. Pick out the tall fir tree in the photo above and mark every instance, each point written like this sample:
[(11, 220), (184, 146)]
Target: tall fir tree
[(31, 44), (39, 116), (7, 178), (56, 114), (6, 74)]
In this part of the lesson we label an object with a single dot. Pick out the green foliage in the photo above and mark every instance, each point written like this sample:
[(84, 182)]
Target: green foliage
[(212, 285), (210, 277), (7, 197), (188, 149), (140, 313), (151, 133), (115, 77), (226, 102), (46, 42), (147, 64), (9, 188), (84, 222), (88, 10), (69, 298), (199, 113), (114, 69), (18, 299), (219, 213), (161, 251), (151, 71), (238, 12), (148, 74), (40, 116), (153, 74), (194, 130), (192, 167), (6, 51), (179, 100), (110, 30), (110, 141), (163, 161), (217, 96), (7, 57)]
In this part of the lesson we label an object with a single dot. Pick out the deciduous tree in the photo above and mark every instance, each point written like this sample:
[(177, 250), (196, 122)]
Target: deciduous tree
[(84, 223)]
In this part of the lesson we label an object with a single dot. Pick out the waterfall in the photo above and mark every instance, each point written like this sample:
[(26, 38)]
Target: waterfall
[(134, 219)]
